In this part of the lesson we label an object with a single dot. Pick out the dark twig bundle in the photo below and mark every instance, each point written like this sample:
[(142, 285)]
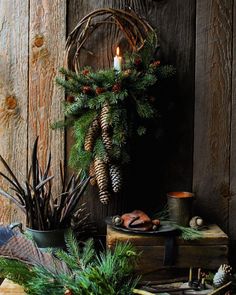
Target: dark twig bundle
[(34, 197), (134, 28)]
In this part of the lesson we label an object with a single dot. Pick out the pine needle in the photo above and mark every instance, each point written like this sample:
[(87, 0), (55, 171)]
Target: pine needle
[(186, 233)]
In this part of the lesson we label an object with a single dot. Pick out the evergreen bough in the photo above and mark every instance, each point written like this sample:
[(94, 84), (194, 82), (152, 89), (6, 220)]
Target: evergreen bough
[(128, 97), (109, 272)]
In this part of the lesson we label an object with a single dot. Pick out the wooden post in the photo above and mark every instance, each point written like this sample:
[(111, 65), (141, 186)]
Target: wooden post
[(232, 203), (46, 49), (14, 16), (213, 108)]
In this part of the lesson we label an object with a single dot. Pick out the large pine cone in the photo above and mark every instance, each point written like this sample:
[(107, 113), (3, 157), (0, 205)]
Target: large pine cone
[(106, 138), (222, 276), (101, 172), (116, 178), (104, 117), (107, 141), (91, 135)]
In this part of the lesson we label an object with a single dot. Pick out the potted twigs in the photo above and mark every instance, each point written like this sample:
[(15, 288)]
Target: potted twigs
[(46, 214)]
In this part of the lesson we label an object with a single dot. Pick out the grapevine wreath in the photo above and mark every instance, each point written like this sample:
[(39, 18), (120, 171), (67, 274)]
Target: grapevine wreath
[(107, 108)]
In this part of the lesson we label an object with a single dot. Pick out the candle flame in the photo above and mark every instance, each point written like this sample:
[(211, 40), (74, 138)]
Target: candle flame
[(118, 51)]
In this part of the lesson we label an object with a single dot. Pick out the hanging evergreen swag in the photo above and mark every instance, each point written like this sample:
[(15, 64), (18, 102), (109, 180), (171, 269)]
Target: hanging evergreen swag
[(108, 108)]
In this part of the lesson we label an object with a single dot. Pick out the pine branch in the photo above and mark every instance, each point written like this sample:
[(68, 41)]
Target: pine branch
[(144, 109), (72, 245), (88, 253), (109, 272), (16, 271), (165, 72), (62, 124)]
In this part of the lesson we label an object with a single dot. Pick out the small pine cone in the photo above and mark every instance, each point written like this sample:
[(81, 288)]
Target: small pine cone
[(104, 117), (222, 275), (116, 88), (92, 174), (102, 180), (70, 98), (87, 90), (99, 90), (155, 64), (116, 178), (138, 61), (91, 135), (85, 72)]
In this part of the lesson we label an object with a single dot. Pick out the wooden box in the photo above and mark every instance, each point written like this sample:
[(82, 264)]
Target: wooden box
[(208, 252)]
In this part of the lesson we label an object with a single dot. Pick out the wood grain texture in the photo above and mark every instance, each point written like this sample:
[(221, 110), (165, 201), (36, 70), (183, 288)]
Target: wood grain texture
[(208, 252), (175, 23), (46, 48), (211, 236), (232, 203), (13, 94), (208, 257), (177, 43), (212, 109)]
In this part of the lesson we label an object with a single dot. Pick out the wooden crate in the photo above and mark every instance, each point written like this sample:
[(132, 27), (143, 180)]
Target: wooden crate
[(208, 252), (8, 287)]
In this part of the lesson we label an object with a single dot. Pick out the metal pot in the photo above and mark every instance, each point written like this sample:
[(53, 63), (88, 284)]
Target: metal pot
[(48, 238), (45, 238), (180, 207)]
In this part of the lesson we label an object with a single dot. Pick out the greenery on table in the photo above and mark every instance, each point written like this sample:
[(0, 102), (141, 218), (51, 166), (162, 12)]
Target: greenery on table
[(91, 273)]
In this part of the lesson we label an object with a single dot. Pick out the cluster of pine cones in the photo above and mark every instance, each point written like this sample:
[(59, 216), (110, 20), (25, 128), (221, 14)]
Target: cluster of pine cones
[(104, 173)]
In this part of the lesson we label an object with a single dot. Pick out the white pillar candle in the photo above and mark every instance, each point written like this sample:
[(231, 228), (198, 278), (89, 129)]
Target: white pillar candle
[(118, 60)]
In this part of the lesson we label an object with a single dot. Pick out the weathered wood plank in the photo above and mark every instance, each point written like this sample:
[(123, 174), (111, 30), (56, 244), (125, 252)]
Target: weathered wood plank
[(46, 49), (177, 43), (232, 202), (175, 22), (13, 94), (208, 252), (211, 236), (208, 257), (212, 109)]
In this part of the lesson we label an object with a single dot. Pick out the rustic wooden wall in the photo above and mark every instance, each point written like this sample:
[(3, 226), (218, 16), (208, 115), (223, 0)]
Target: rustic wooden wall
[(196, 148)]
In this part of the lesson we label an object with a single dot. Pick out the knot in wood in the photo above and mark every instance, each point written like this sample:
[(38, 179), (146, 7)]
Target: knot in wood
[(38, 41), (11, 102)]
